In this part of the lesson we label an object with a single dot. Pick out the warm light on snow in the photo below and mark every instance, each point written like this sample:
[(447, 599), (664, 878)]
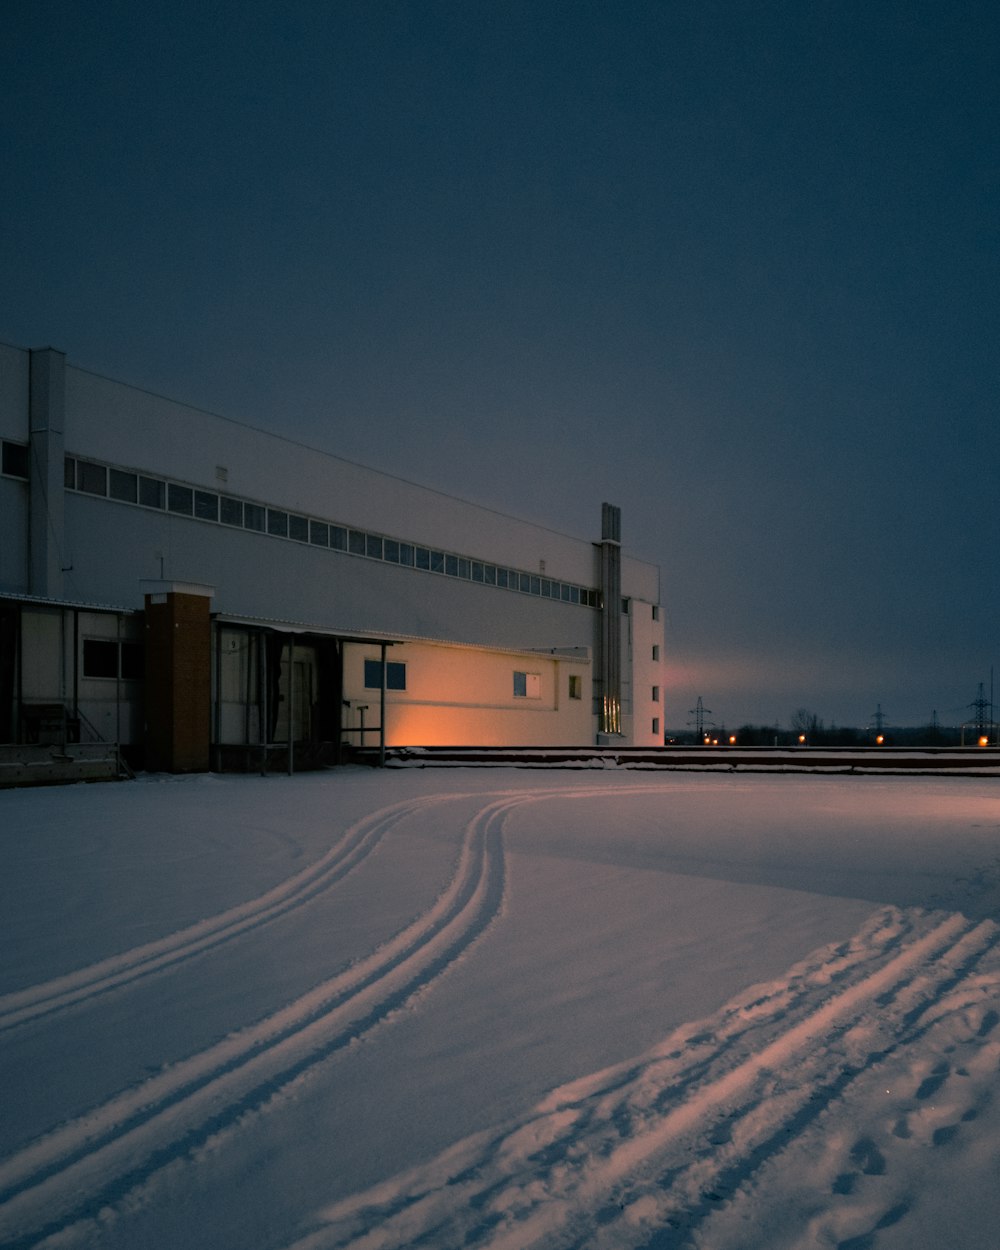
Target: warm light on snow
[(501, 1009)]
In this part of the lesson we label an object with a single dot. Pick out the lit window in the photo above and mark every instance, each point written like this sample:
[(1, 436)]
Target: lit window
[(395, 675), (575, 686), (527, 685)]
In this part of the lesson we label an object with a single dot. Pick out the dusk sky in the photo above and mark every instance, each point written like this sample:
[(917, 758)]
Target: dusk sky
[(732, 266)]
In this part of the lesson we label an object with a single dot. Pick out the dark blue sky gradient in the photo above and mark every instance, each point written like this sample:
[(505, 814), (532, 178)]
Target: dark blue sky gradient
[(730, 265)]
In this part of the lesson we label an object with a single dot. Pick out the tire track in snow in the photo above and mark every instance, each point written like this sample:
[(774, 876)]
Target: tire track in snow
[(71, 1173), (639, 1155), (130, 966)]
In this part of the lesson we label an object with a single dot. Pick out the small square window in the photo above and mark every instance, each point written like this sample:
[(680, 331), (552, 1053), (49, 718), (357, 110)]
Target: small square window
[(437, 562), (464, 567), (477, 571), (277, 523), (231, 511), (319, 534), (356, 543), (406, 554), (527, 685), (100, 657), (502, 578), (422, 558), (123, 486), (298, 528), (152, 492), (373, 546), (451, 565), (534, 586), (391, 550), (490, 574), (338, 537)]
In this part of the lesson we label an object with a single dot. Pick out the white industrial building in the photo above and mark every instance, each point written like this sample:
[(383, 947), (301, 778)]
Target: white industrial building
[(212, 595)]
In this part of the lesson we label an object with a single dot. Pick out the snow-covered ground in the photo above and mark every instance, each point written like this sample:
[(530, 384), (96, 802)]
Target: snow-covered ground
[(501, 1009)]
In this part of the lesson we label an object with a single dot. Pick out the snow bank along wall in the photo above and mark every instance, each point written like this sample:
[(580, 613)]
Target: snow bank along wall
[(203, 592)]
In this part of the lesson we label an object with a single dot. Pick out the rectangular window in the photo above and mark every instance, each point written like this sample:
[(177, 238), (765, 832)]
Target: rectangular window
[(92, 478), (69, 473), (206, 505), (535, 586), (253, 517), (656, 652), (338, 537), (502, 578), (277, 523), (546, 588), (356, 543), (656, 724), (406, 554), (373, 546), (231, 511), (451, 565), (102, 656), (298, 528), (656, 611), (152, 492), (123, 486), (319, 534), (575, 686), (490, 574), (477, 571), (527, 685), (392, 550), (395, 675), (656, 694), (463, 567), (437, 561), (15, 459), (180, 499), (626, 604), (422, 558)]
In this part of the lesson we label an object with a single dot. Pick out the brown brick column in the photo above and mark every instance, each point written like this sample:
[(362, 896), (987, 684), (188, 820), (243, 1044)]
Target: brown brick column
[(178, 685)]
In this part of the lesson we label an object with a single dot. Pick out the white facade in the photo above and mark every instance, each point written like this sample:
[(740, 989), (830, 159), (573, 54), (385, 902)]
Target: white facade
[(106, 486)]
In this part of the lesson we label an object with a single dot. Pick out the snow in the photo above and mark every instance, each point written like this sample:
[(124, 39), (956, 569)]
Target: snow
[(501, 1008)]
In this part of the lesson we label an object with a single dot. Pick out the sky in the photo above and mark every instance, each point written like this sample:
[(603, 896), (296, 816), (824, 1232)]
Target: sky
[(732, 266)]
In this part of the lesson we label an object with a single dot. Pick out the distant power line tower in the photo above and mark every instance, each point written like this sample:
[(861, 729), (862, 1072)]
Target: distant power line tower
[(878, 719), (982, 711), (699, 712)]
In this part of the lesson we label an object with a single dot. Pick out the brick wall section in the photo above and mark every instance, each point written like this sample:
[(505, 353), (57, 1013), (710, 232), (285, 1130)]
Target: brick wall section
[(178, 683)]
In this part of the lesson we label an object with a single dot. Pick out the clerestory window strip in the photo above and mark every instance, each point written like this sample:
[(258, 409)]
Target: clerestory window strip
[(92, 477)]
